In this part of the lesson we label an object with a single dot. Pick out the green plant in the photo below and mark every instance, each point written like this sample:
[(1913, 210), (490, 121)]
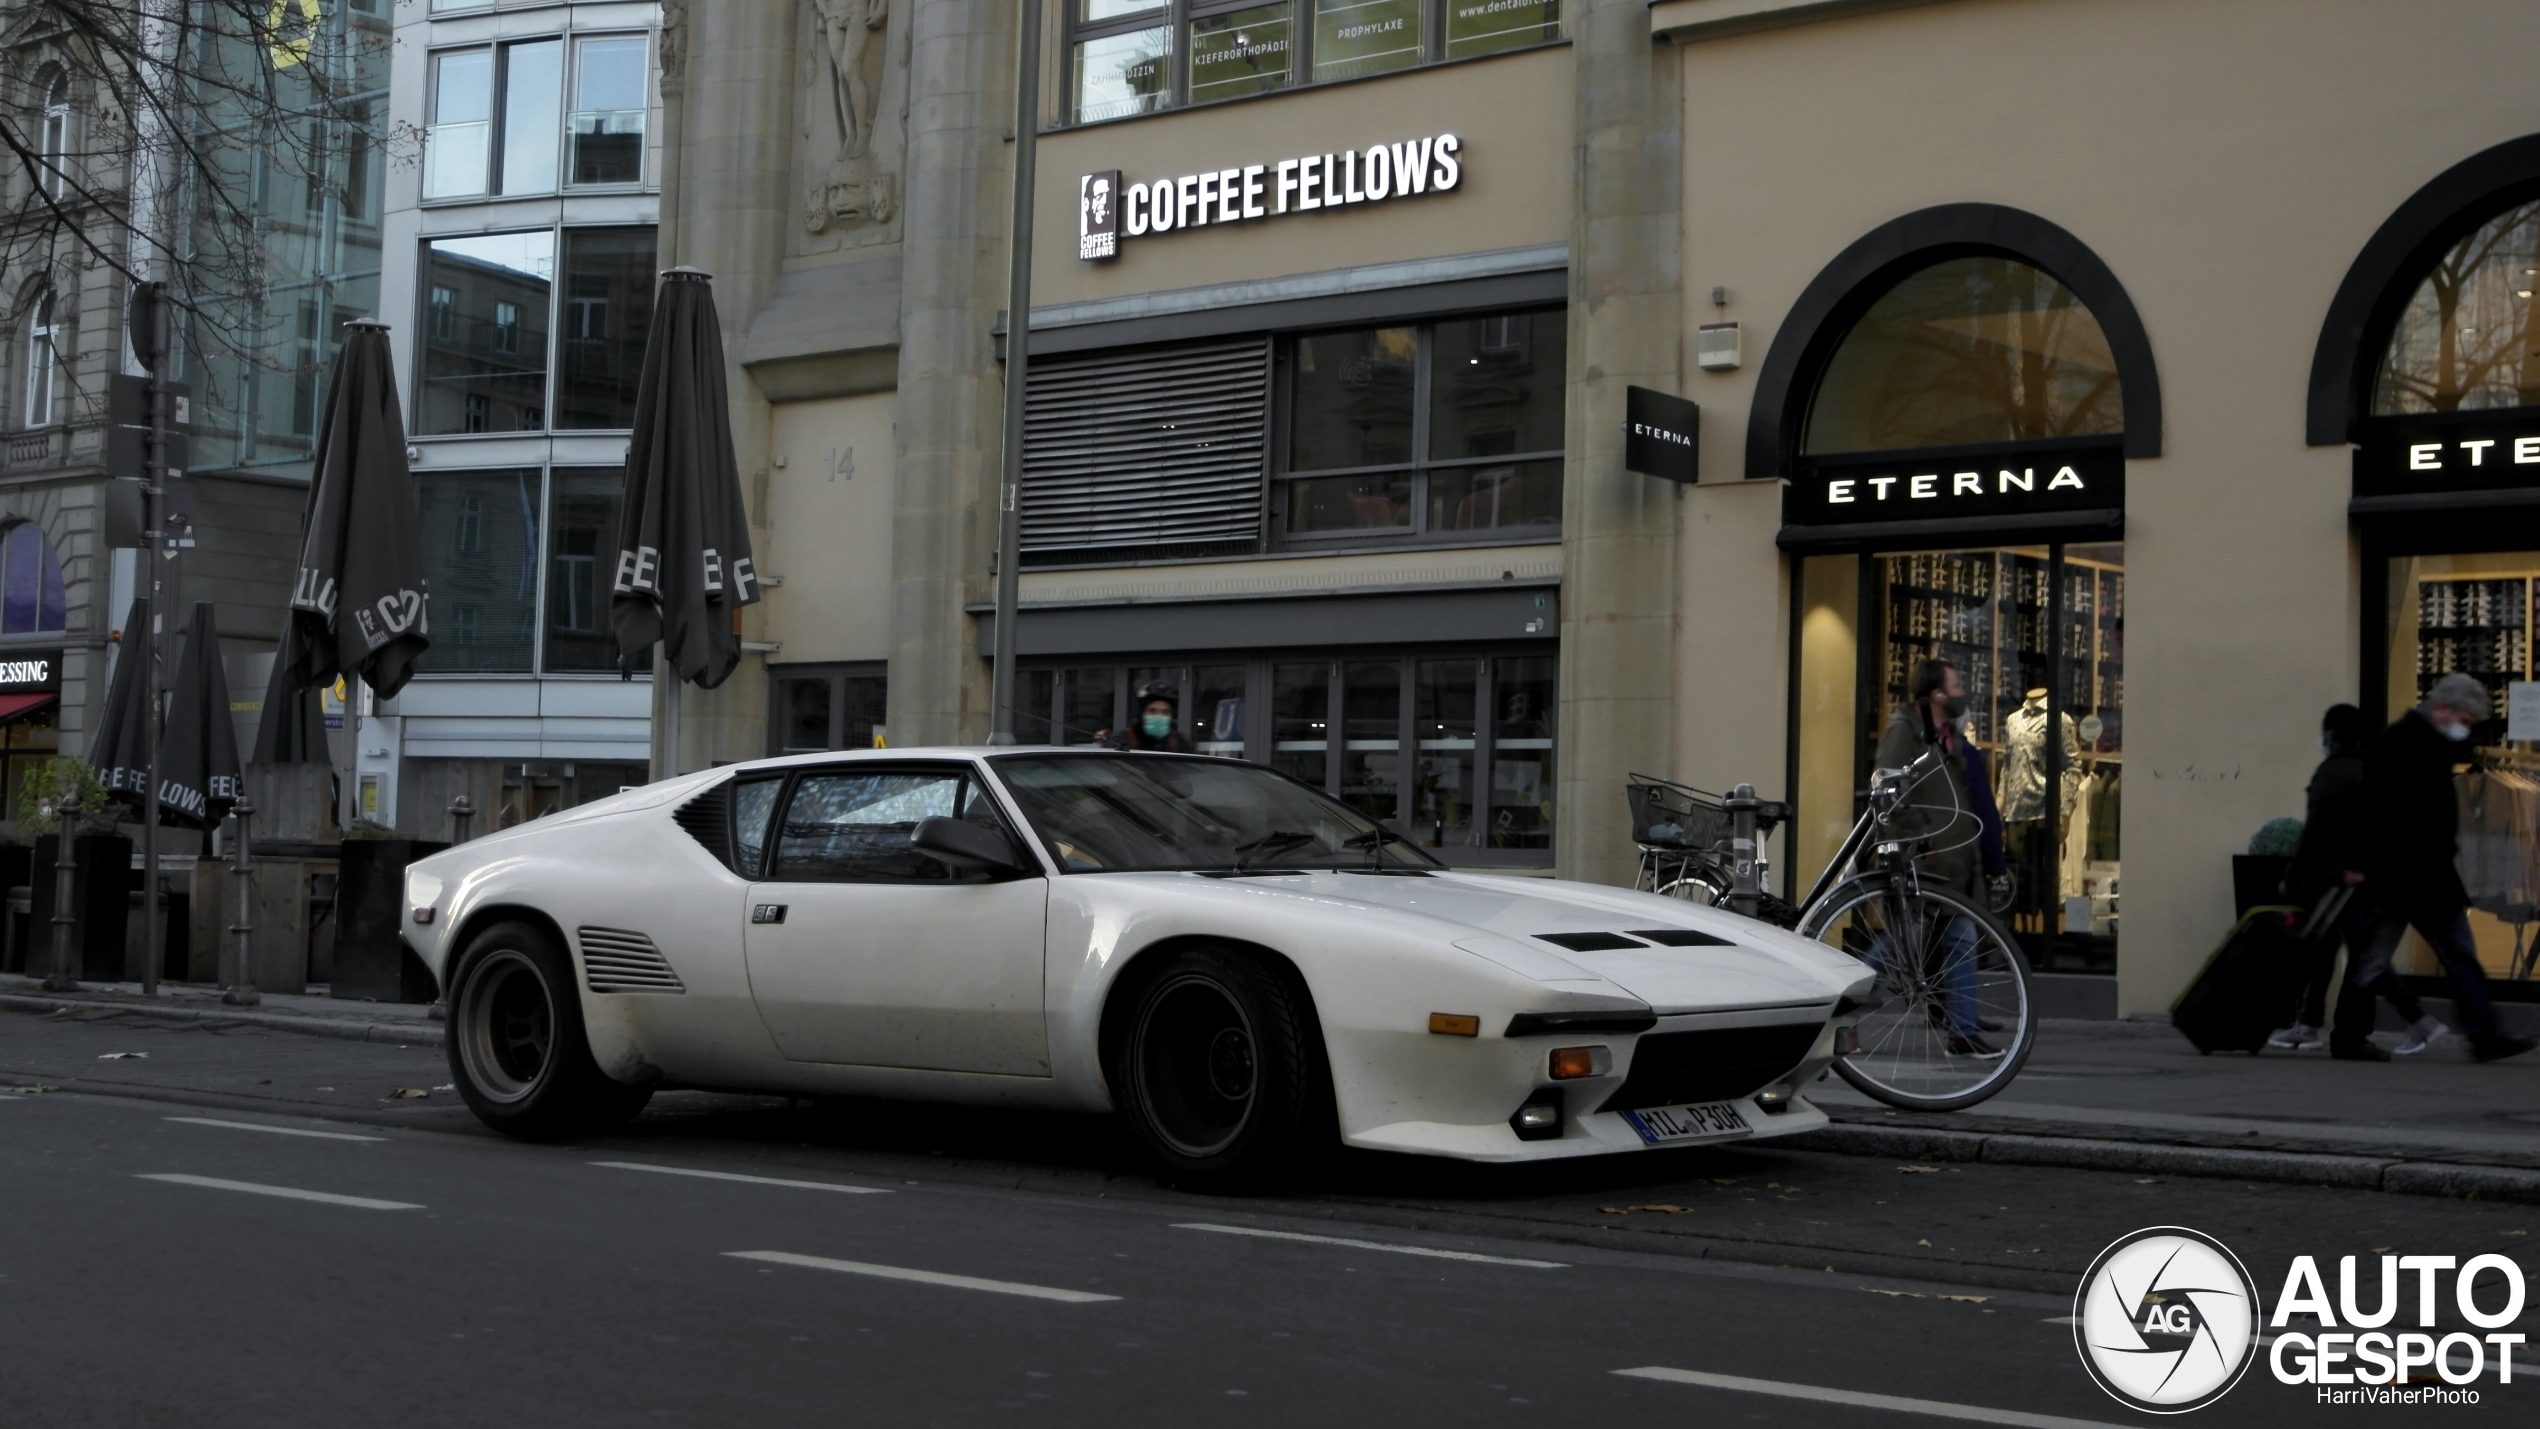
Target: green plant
[(41, 791), (2276, 838)]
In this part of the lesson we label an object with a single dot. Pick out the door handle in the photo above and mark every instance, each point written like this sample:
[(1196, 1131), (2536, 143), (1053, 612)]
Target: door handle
[(767, 912)]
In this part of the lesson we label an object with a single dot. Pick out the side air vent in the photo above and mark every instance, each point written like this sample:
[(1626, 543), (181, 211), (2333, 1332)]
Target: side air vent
[(708, 820), (615, 960)]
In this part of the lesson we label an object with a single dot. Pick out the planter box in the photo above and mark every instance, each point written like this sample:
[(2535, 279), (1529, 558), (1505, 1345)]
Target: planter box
[(371, 957), (101, 892)]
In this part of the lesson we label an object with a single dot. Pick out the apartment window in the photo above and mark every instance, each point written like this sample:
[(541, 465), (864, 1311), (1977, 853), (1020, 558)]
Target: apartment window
[(493, 301), (525, 554), (53, 174), (43, 356), (1424, 431), (1451, 747), (500, 124), (1137, 56), (31, 592)]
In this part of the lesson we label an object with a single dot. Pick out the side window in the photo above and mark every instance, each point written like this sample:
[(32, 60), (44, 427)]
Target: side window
[(853, 827), (753, 810)]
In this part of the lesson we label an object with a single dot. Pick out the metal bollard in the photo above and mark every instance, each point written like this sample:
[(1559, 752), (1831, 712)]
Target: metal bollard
[(65, 976), (242, 982), (1745, 891), (462, 809)]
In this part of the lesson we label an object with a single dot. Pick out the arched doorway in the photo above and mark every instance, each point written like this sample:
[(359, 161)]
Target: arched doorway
[(1954, 434)]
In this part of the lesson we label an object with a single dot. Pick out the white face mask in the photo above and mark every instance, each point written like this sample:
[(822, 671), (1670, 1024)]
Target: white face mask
[(2453, 730)]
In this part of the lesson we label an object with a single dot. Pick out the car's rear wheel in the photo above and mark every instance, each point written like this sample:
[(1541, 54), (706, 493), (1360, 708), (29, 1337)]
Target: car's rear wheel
[(1220, 1069), (516, 1043)]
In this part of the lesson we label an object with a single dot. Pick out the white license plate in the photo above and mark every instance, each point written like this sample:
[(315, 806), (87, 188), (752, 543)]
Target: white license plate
[(1704, 1121)]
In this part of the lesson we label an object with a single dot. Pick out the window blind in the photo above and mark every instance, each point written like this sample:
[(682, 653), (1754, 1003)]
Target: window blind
[(1164, 448)]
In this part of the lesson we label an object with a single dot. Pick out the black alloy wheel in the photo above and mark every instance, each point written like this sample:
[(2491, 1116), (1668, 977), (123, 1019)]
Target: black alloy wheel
[(1221, 1069), (516, 1043)]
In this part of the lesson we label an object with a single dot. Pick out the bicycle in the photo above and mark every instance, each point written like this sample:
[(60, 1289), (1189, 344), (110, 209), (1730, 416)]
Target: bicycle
[(1949, 972)]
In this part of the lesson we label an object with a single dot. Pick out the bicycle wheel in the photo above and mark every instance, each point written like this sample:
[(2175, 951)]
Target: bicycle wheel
[(1696, 884), (1957, 1020)]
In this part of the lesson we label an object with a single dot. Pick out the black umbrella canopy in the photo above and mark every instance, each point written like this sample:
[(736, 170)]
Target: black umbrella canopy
[(198, 750), (120, 750), (358, 600), (683, 564), (291, 729)]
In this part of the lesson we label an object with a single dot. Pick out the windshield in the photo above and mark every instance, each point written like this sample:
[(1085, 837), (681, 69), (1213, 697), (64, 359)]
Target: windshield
[(1117, 814)]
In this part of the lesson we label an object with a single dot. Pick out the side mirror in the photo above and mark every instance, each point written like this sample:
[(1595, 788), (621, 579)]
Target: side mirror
[(966, 846)]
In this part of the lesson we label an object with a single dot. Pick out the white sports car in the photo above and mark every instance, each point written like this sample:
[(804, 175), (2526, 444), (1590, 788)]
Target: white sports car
[(1237, 963)]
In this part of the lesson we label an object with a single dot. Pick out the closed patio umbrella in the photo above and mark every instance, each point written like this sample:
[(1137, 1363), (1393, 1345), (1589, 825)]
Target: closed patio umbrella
[(291, 730), (198, 752), (120, 749), (683, 567), (358, 599)]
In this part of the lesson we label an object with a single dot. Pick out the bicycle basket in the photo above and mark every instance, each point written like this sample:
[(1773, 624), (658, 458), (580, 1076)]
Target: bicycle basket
[(1675, 816)]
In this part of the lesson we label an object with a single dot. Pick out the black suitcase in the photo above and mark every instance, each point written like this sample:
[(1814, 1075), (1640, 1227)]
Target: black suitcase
[(2250, 987)]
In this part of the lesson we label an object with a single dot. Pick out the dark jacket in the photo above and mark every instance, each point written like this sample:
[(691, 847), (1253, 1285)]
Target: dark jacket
[(2334, 826), (1937, 808), (2413, 818)]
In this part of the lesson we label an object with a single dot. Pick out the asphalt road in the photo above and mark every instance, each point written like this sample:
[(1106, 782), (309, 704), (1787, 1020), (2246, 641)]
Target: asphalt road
[(183, 1251)]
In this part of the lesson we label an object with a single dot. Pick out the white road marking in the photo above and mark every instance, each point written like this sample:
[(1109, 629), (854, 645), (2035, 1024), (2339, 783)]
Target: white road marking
[(1938, 1409), (288, 1193), (753, 1180), (276, 1130), (922, 1277), (1385, 1246)]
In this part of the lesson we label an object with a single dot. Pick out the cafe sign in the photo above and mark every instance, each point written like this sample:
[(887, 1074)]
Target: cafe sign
[(1110, 211)]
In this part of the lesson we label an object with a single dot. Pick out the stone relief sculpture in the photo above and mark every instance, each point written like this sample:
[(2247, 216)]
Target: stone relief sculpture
[(850, 188)]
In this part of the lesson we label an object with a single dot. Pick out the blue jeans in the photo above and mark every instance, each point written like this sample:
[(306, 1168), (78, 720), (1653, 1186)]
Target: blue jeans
[(1954, 954), (2448, 934)]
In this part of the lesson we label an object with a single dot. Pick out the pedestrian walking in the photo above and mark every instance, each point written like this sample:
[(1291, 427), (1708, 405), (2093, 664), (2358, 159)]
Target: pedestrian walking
[(2330, 859), (2411, 842), (1153, 726), (1950, 815)]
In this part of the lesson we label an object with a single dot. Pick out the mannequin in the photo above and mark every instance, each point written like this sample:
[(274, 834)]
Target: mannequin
[(2024, 772)]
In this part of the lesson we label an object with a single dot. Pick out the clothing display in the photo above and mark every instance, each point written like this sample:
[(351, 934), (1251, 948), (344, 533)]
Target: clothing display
[(2024, 764)]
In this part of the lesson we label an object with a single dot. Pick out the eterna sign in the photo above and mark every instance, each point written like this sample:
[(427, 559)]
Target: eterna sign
[(1108, 214), (1837, 491), (2448, 455)]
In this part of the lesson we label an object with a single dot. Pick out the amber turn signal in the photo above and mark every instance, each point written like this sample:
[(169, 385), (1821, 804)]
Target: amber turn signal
[(1455, 1024), (1569, 1063)]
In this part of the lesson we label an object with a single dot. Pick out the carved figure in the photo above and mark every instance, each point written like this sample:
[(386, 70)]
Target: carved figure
[(848, 26)]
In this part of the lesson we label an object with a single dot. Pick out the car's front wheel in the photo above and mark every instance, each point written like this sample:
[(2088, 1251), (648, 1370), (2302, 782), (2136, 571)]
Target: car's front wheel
[(516, 1043), (1221, 1070)]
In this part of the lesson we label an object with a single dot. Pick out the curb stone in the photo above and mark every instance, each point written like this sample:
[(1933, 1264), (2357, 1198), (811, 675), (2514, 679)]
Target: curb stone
[(2363, 1173), (343, 1029)]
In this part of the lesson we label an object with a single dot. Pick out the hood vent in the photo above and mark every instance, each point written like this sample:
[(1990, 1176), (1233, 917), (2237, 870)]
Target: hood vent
[(615, 960), (1683, 938), (1591, 942)]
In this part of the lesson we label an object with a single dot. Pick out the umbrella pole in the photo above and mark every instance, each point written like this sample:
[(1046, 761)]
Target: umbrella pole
[(242, 974), (670, 719)]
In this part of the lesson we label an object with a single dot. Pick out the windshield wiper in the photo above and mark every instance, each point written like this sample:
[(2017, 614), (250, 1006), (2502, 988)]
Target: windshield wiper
[(1277, 841), (1374, 841)]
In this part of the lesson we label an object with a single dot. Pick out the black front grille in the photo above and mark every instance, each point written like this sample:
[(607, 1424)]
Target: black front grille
[(1722, 1064)]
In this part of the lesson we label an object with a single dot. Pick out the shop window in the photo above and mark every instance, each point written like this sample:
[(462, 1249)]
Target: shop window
[(2464, 341), (814, 708), (1970, 350), (1435, 431), (500, 546), (1453, 749), (491, 303), (31, 596), (1138, 56)]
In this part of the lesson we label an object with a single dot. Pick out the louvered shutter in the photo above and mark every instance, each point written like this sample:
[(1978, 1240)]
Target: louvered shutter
[(1163, 448)]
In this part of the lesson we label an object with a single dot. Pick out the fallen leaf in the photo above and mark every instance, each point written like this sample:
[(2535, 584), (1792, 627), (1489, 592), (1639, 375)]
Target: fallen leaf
[(1918, 1170), (326, 1089), (2147, 1180), (447, 1087), (2517, 1232), (118, 1056), (1922, 1242), (1899, 1294), (1964, 1299), (1661, 1207), (407, 1092), (2380, 1249), (1726, 1180), (35, 1089)]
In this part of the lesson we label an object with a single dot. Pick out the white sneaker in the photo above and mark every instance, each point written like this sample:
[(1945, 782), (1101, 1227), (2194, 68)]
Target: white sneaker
[(2424, 1034), (2300, 1037)]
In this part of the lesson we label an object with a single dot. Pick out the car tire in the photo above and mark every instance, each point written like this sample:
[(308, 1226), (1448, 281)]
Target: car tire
[(1220, 1070), (516, 1043)]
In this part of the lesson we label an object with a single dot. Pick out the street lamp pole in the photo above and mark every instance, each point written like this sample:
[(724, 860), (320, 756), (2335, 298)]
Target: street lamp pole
[(1018, 327)]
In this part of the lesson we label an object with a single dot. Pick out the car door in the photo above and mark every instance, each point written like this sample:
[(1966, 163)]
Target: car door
[(863, 951)]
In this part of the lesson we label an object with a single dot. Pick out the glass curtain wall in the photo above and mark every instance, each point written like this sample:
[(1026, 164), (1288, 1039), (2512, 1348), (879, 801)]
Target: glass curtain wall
[(501, 546), (284, 248)]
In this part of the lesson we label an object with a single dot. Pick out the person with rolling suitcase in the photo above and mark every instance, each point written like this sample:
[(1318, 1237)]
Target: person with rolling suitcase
[(2325, 879)]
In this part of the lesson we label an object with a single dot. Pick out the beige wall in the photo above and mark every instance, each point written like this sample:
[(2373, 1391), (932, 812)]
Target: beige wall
[(829, 502), (1511, 112), (2227, 165)]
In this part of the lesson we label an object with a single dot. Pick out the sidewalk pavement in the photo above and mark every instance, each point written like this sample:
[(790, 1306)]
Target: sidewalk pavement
[(2101, 1095)]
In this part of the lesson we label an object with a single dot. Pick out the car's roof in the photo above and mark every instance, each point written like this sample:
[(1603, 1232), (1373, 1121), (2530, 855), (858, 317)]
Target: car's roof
[(955, 751)]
